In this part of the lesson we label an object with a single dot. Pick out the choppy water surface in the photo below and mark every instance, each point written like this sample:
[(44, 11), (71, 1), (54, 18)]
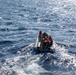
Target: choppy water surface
[(20, 22)]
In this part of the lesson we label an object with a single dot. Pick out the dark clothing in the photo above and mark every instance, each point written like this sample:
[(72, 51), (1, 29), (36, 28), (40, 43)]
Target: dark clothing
[(51, 41), (40, 38), (45, 39), (47, 42), (45, 34)]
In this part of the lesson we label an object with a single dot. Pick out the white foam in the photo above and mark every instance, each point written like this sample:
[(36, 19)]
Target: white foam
[(22, 64), (0, 17), (63, 55), (28, 64), (19, 71), (34, 69)]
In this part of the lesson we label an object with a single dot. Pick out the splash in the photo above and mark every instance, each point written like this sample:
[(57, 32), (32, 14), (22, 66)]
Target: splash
[(25, 63), (64, 55)]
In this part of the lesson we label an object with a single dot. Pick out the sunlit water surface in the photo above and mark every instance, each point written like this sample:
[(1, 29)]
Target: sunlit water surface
[(20, 22)]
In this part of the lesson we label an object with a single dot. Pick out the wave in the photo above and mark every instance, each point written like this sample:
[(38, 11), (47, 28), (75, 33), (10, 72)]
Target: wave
[(4, 29), (2, 54), (66, 45), (26, 63), (64, 55), (6, 42), (9, 23), (6, 18), (22, 28), (44, 20)]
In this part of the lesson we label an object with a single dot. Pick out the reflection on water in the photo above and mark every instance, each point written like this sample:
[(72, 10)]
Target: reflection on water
[(20, 22)]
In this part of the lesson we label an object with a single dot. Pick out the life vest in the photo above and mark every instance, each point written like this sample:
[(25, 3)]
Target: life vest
[(46, 40)]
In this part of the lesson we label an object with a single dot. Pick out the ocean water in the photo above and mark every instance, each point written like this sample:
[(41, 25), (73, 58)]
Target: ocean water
[(20, 22)]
